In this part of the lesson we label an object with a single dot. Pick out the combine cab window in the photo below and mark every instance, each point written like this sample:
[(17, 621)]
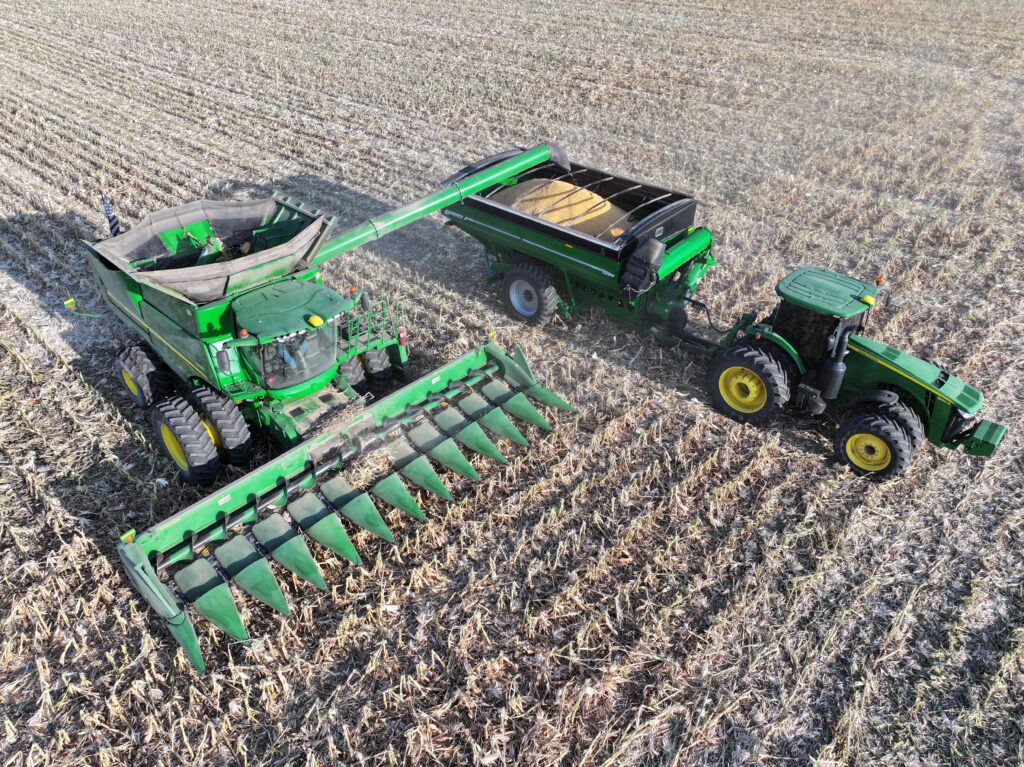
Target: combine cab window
[(291, 360)]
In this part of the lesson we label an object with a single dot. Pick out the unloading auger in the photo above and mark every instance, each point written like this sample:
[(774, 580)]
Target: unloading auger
[(240, 333)]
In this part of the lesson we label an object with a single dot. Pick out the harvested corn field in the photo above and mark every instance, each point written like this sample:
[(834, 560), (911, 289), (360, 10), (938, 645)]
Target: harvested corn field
[(651, 583)]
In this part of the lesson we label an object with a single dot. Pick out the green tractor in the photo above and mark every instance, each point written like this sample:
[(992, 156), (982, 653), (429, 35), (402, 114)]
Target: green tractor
[(561, 237), (240, 334), (809, 354)]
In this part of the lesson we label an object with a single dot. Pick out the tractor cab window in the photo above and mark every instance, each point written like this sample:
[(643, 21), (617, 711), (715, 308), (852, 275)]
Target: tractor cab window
[(810, 332), (296, 358)]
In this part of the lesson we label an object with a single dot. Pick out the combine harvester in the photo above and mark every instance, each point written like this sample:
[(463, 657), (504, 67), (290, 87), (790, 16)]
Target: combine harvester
[(562, 237), (229, 300)]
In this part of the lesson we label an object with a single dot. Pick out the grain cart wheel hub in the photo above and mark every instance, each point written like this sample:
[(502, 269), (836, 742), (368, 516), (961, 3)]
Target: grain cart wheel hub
[(868, 452), (523, 298), (742, 389)]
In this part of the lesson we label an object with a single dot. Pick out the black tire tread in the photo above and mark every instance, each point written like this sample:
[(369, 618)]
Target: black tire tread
[(870, 421), (776, 374), (379, 372), (353, 372), (150, 373), (543, 286), (184, 421), (235, 436), (903, 414)]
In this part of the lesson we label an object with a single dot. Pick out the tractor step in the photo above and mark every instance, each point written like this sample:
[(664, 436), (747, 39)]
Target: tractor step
[(188, 562)]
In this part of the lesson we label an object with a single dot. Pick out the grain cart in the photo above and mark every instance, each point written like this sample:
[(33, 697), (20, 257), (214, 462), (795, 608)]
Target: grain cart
[(561, 237), (229, 300)]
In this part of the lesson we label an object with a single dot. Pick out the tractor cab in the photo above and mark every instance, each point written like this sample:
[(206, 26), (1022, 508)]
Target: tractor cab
[(289, 332), (818, 308)]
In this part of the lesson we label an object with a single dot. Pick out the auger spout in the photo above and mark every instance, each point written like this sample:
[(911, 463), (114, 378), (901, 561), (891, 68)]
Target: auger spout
[(455, 191)]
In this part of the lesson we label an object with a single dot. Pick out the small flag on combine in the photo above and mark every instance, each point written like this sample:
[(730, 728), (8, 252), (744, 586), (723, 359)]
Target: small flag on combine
[(112, 222)]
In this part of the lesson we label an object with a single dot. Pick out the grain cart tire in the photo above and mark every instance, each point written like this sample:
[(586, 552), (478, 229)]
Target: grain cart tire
[(750, 383), (144, 375), (378, 369), (354, 374), (184, 439), (873, 445), (224, 423), (530, 294)]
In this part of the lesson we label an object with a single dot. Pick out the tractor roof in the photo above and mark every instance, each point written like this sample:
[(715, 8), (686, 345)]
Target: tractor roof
[(286, 307), (827, 292)]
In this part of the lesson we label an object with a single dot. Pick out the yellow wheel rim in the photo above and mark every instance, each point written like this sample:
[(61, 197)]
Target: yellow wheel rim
[(174, 448), (214, 435), (742, 389), (868, 452), (130, 382)]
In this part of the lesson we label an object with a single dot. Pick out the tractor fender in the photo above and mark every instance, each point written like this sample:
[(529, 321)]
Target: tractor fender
[(765, 332), (873, 397)]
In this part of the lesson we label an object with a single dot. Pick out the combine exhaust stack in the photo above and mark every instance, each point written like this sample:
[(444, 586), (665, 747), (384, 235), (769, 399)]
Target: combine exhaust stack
[(191, 558)]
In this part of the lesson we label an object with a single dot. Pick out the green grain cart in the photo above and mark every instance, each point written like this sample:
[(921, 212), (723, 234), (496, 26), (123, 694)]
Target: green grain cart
[(240, 333), (560, 237)]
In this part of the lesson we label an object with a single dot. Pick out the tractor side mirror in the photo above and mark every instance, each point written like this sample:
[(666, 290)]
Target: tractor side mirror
[(224, 361)]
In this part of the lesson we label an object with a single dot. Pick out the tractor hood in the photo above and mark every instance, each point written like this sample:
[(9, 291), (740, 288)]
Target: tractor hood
[(923, 373), (286, 307)]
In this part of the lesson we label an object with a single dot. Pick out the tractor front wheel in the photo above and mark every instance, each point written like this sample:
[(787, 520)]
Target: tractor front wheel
[(873, 445), (144, 375), (749, 383), (184, 439), (530, 294), (224, 423)]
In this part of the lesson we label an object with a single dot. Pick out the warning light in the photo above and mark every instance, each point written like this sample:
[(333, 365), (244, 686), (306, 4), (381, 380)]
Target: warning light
[(879, 280), (402, 340), (243, 333)]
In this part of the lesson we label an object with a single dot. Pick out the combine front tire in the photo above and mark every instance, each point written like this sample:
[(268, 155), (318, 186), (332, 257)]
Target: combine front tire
[(873, 444), (750, 383), (185, 440), (530, 294), (224, 423), (354, 374), (378, 369), (144, 375)]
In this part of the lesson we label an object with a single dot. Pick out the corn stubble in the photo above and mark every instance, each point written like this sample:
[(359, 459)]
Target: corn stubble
[(649, 584)]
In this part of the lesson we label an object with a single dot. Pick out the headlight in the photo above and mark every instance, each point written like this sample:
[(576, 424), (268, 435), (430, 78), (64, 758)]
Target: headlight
[(959, 422)]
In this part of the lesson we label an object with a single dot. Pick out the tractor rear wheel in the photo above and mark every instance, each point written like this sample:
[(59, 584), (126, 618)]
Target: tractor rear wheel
[(378, 369), (184, 439), (144, 375), (224, 423), (873, 445), (354, 374), (750, 383), (530, 294)]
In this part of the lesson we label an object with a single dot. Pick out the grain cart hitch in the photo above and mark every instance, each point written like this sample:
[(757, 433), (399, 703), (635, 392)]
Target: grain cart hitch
[(189, 560)]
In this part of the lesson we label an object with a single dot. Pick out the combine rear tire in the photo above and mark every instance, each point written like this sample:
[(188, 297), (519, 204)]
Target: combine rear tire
[(224, 423), (750, 383), (378, 369), (184, 439), (530, 294), (873, 445), (144, 375), (354, 374)]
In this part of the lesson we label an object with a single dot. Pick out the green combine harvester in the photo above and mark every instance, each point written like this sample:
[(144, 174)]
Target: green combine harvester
[(561, 237), (240, 334)]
